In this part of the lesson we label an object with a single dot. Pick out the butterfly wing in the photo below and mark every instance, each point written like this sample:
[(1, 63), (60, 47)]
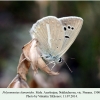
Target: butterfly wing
[(50, 35), (72, 26)]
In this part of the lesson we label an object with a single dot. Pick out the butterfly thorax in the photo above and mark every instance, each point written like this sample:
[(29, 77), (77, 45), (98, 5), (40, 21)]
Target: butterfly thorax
[(51, 58)]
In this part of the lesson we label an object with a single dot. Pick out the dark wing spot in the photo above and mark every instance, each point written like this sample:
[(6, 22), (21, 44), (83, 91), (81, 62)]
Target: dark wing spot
[(69, 27), (64, 28), (72, 28), (66, 36)]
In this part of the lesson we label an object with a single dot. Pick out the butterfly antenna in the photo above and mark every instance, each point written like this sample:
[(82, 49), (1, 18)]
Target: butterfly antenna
[(67, 65)]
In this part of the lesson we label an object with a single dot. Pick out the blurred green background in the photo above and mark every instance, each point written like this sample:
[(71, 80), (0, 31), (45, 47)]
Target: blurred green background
[(16, 19)]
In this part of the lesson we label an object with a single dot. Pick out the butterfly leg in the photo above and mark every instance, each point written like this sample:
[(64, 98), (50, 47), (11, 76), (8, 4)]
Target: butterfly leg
[(53, 65)]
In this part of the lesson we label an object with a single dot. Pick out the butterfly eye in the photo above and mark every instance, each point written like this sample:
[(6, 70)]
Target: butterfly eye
[(60, 60)]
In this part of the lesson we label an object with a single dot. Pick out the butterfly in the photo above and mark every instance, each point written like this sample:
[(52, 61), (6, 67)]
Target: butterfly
[(55, 36)]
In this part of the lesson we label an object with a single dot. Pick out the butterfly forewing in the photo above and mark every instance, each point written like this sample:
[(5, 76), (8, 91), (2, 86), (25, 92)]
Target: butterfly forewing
[(50, 35), (71, 26), (57, 35)]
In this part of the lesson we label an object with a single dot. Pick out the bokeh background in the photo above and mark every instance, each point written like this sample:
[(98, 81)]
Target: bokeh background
[(83, 57)]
